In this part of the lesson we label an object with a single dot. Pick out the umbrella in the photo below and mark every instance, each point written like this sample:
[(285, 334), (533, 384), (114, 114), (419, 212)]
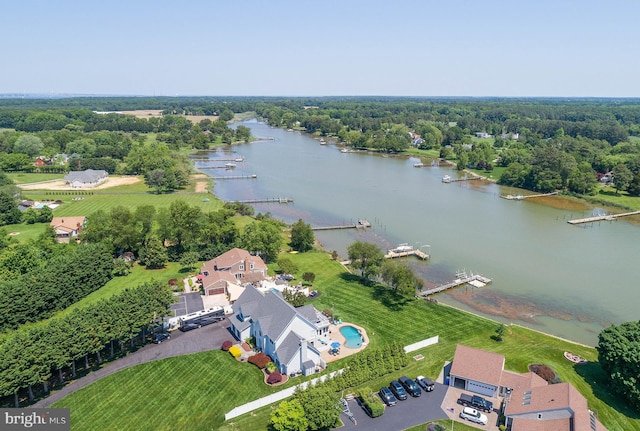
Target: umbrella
[(335, 344)]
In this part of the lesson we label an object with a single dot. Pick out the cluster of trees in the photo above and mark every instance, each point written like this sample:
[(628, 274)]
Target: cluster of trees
[(619, 355), (318, 406), (180, 233), (33, 355), (34, 286), (369, 259)]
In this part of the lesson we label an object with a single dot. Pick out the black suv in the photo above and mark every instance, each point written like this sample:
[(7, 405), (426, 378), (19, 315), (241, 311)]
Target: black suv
[(387, 396), (411, 386), (425, 383), (159, 338), (398, 390)]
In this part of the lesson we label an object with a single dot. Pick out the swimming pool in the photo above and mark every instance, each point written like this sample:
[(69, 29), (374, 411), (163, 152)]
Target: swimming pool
[(354, 339)]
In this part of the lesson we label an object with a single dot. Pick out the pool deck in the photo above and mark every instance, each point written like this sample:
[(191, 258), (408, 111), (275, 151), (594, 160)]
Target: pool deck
[(336, 335)]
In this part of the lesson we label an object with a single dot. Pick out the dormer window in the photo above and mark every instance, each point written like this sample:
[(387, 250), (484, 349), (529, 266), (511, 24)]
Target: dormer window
[(251, 265), (241, 267)]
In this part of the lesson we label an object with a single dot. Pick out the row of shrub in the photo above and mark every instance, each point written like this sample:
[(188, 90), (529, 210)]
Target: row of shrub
[(371, 402)]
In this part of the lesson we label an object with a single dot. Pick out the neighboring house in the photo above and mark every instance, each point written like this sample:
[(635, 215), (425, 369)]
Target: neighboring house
[(513, 136), (483, 135), (530, 404), (226, 273), (42, 161), (67, 227), (288, 335), (606, 178), (86, 178)]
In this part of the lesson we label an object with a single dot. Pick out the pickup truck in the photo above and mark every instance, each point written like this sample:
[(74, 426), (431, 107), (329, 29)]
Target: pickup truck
[(476, 402)]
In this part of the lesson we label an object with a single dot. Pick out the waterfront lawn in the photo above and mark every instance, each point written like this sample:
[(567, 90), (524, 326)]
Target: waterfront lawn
[(133, 400), (607, 195), (175, 393)]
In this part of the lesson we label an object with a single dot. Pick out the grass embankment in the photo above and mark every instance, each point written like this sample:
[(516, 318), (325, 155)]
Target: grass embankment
[(194, 391)]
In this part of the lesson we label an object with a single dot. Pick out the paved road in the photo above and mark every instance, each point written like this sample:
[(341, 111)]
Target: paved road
[(203, 339), (405, 414)]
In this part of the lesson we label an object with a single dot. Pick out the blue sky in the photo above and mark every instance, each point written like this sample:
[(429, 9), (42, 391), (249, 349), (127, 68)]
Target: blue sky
[(532, 48)]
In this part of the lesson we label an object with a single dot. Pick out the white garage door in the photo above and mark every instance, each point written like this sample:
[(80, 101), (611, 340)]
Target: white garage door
[(481, 388)]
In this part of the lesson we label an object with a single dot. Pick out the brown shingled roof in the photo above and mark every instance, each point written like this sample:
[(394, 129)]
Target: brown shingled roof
[(478, 365)]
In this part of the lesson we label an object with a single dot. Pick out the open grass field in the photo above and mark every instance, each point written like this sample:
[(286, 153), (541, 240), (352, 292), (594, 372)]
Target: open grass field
[(194, 396), (24, 232), (25, 178), (622, 199)]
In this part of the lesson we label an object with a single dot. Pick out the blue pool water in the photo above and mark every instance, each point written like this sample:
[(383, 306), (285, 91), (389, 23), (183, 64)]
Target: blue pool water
[(354, 339)]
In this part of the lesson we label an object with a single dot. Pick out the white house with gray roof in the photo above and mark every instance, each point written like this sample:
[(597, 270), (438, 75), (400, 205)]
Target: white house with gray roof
[(86, 178), (290, 336)]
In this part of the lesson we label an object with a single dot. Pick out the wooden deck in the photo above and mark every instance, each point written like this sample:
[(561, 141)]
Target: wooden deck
[(417, 253)]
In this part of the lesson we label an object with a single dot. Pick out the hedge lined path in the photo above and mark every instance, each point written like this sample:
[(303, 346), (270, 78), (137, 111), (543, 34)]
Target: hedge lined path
[(199, 340)]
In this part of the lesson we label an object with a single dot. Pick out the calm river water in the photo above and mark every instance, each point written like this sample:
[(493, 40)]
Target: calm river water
[(548, 275)]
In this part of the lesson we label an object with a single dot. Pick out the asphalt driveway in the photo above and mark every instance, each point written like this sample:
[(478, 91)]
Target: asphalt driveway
[(405, 414), (202, 339), (187, 303)]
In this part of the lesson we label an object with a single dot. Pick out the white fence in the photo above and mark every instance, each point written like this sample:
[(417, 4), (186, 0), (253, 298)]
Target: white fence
[(278, 396), (420, 344), (286, 393)]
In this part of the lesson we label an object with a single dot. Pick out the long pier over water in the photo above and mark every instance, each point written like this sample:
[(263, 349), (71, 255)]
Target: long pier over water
[(609, 217), (476, 280)]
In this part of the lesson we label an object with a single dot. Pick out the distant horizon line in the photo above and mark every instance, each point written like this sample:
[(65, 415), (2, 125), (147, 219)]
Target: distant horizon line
[(14, 95)]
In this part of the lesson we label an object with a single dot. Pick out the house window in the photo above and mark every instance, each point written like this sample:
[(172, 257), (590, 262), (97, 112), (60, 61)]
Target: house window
[(251, 265), (241, 267)]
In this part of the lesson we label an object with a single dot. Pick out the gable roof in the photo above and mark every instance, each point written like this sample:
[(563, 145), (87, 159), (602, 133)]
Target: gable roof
[(289, 347), (478, 365), (232, 257), (86, 176), (67, 224)]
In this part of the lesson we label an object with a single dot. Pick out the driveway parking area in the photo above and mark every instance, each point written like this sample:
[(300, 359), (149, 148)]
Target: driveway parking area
[(450, 403), (405, 414), (187, 303)]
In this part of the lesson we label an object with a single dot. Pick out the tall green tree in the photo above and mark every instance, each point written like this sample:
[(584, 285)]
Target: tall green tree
[(401, 278), (619, 355), (30, 145), (9, 212), (263, 238), (302, 237), (366, 257), (154, 255), (622, 176)]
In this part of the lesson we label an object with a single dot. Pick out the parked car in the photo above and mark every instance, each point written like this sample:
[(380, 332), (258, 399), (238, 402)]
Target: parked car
[(411, 387), (387, 396), (473, 415), (425, 383), (189, 327), (476, 402), (160, 337), (286, 277), (398, 390)]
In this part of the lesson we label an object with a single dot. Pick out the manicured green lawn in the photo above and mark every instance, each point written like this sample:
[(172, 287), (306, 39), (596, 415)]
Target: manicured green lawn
[(25, 178), (133, 398), (26, 231), (622, 199), (126, 196)]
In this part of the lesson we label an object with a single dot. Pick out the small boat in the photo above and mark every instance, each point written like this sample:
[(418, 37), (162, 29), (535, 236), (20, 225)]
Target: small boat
[(446, 179), (344, 150), (323, 142), (402, 248), (229, 165), (418, 165), (239, 159)]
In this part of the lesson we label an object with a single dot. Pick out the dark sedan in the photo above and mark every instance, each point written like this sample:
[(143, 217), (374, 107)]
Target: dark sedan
[(189, 327), (160, 337), (398, 390)]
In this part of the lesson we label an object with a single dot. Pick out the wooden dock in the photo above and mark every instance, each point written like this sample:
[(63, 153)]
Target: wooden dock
[(474, 279), (609, 217), (361, 224), (521, 197), (236, 177), (268, 200), (417, 253)]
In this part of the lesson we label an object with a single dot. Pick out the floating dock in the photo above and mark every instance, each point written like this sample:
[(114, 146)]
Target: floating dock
[(609, 217), (475, 280)]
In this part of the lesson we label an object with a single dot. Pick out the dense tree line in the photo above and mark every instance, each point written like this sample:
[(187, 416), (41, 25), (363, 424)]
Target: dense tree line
[(42, 354), (619, 355), (52, 283)]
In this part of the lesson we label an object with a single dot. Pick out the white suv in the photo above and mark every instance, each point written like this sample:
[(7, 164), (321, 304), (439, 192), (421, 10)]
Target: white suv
[(473, 415)]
